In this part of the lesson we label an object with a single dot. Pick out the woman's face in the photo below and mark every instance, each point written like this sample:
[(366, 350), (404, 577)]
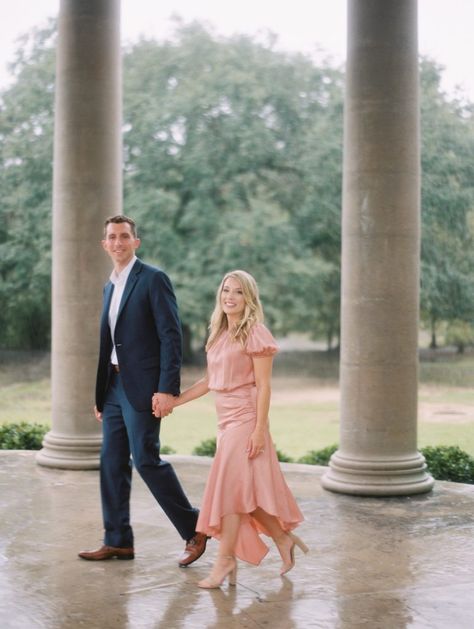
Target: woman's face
[(232, 299)]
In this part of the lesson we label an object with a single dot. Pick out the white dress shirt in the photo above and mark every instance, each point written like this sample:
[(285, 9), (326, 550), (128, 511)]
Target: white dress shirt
[(118, 280)]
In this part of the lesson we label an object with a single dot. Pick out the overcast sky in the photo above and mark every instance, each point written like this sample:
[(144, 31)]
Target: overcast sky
[(445, 27)]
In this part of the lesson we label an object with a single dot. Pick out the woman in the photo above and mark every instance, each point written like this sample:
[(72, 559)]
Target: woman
[(246, 493)]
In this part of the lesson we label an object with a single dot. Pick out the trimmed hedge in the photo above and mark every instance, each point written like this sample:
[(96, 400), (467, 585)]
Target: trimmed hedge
[(284, 458), (449, 463), (167, 450), (22, 436), (319, 457), (444, 462), (208, 448)]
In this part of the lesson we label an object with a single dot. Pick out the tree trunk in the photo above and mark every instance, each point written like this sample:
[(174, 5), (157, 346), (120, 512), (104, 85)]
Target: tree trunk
[(187, 348), (329, 337), (433, 344)]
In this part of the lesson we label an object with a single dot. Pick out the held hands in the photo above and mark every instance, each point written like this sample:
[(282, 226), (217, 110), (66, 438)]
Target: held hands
[(162, 404), (256, 443)]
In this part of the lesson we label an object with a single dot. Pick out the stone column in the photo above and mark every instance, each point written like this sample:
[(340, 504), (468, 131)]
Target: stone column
[(87, 187), (380, 256)]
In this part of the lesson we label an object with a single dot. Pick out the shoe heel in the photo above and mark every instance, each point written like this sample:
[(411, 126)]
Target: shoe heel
[(233, 575), (301, 545)]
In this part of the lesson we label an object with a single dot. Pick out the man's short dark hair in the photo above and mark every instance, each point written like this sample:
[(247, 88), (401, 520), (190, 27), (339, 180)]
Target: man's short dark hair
[(121, 218)]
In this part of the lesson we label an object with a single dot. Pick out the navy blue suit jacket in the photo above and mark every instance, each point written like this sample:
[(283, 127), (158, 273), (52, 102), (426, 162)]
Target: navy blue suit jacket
[(148, 338)]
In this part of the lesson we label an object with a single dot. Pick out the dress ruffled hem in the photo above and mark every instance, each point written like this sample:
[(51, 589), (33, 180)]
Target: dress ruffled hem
[(249, 546)]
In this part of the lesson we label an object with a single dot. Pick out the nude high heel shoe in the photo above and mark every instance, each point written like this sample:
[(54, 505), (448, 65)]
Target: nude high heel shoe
[(212, 583), (296, 541)]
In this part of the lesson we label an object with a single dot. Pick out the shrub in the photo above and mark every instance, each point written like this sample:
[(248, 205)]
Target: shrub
[(443, 462), (449, 463), (319, 457), (206, 448), (167, 450), (283, 458), (22, 436)]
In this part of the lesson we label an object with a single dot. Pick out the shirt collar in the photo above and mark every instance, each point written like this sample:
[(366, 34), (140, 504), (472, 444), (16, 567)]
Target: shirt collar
[(121, 278)]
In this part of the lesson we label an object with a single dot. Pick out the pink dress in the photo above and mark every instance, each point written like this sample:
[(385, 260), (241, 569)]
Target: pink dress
[(237, 484)]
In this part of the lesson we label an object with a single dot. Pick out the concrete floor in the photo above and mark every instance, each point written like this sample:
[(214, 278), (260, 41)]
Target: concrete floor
[(374, 563)]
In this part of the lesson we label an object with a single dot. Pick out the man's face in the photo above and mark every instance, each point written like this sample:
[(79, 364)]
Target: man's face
[(120, 244)]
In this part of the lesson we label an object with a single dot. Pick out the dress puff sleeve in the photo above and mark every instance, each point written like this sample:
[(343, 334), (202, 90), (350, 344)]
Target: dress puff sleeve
[(260, 342)]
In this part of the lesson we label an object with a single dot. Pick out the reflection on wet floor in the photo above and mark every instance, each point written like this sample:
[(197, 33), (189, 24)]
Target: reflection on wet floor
[(374, 563)]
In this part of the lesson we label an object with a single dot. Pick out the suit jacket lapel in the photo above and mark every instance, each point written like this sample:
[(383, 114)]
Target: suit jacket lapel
[(129, 286), (108, 291)]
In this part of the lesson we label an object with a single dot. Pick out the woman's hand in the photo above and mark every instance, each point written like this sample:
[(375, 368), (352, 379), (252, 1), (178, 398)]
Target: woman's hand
[(256, 443)]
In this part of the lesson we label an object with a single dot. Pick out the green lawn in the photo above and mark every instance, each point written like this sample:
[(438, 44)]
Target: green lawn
[(304, 414), (295, 429), (25, 401)]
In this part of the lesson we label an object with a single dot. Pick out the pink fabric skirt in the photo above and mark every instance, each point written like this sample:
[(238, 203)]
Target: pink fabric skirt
[(237, 484)]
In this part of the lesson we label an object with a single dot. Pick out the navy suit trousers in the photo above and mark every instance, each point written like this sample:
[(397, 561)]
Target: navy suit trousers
[(129, 432)]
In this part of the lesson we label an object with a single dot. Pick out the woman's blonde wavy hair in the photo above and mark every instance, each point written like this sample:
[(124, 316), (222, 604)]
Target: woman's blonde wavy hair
[(253, 311)]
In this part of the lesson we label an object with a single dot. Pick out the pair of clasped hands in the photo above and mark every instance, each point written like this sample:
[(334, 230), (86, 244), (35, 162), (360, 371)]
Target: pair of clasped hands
[(162, 404)]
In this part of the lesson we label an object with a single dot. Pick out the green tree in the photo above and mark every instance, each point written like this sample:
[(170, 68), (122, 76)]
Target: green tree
[(217, 134), (232, 158), (447, 259), (26, 122)]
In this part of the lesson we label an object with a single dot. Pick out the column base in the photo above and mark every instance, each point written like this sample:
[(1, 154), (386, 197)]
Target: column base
[(399, 476), (70, 453)]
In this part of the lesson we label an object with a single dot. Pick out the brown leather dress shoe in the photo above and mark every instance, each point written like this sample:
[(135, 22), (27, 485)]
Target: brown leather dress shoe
[(107, 552), (195, 547)]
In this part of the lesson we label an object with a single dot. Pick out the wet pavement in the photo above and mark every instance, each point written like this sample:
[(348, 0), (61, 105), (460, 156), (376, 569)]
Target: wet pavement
[(374, 563)]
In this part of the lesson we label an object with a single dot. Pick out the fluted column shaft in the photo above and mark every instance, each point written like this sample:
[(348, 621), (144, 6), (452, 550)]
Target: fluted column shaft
[(87, 187), (380, 256)]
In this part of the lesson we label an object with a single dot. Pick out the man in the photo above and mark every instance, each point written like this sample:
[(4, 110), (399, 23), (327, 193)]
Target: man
[(140, 355)]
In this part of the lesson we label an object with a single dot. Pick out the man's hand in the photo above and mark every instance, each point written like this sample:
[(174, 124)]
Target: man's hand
[(155, 407), (162, 404), (97, 414)]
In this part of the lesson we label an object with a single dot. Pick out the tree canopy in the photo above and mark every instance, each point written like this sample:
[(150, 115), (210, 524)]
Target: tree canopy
[(232, 159), (447, 257), (225, 167), (26, 141)]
